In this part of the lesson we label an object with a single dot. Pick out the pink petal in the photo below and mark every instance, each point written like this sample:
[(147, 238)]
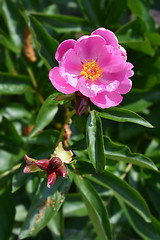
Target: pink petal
[(108, 35), (71, 63), (85, 87), (31, 168), (51, 179), (106, 99), (63, 48), (112, 86), (125, 86), (130, 72), (87, 47), (59, 82), (111, 60)]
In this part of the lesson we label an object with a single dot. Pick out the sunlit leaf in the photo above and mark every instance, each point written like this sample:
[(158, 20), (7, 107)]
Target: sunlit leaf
[(123, 191), (96, 209), (95, 141)]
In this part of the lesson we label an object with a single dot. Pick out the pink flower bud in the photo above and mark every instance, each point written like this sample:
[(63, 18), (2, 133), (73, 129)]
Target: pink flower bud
[(62, 171), (43, 164), (51, 179), (82, 105), (55, 162)]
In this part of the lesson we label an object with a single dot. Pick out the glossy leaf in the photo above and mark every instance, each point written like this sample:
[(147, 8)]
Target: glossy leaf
[(46, 114), (147, 231), (7, 211), (11, 133), (44, 206), (45, 44), (47, 137), (123, 191), (95, 143), (134, 35), (118, 152), (112, 17), (5, 41), (13, 21), (96, 209), (13, 84), (141, 9), (62, 23), (92, 10), (124, 115), (19, 178), (56, 225)]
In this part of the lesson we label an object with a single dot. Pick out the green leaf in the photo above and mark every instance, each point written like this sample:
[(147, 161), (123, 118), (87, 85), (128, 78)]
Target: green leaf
[(7, 211), (140, 99), (15, 111), (119, 152), (74, 206), (92, 11), (45, 44), (124, 115), (47, 137), (13, 84), (148, 231), (19, 178), (45, 205), (142, 10), (96, 209), (8, 43), (113, 13), (10, 131), (56, 225), (13, 21), (123, 191), (46, 114), (95, 141), (134, 35), (62, 23)]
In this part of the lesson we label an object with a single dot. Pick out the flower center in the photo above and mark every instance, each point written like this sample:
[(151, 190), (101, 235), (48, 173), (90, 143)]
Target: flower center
[(91, 70)]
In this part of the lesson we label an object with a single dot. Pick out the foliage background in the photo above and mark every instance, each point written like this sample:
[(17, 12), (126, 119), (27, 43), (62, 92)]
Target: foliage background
[(31, 122)]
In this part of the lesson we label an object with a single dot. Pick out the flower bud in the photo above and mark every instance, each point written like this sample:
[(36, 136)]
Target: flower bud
[(43, 164), (51, 178), (55, 162), (82, 104), (62, 171)]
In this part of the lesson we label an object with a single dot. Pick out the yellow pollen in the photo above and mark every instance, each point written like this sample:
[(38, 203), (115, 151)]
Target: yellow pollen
[(91, 70)]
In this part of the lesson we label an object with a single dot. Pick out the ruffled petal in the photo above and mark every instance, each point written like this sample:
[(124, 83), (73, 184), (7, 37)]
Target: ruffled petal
[(130, 72), (106, 99), (125, 86), (63, 48), (86, 87), (71, 63), (31, 168), (87, 47), (59, 82), (111, 60), (109, 36), (64, 155)]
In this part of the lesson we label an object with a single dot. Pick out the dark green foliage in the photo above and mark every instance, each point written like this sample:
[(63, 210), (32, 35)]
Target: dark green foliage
[(112, 190)]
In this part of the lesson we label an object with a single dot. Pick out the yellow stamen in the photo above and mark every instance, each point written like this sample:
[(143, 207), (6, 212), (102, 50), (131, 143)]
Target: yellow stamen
[(91, 70)]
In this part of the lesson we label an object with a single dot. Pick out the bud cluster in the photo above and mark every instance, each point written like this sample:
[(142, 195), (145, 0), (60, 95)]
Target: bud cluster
[(53, 167)]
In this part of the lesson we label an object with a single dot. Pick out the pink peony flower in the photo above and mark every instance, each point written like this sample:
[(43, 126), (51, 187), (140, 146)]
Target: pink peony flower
[(94, 65)]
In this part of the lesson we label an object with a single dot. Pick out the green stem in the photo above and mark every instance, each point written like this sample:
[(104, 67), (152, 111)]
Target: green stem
[(69, 115), (33, 79), (30, 72), (10, 171)]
